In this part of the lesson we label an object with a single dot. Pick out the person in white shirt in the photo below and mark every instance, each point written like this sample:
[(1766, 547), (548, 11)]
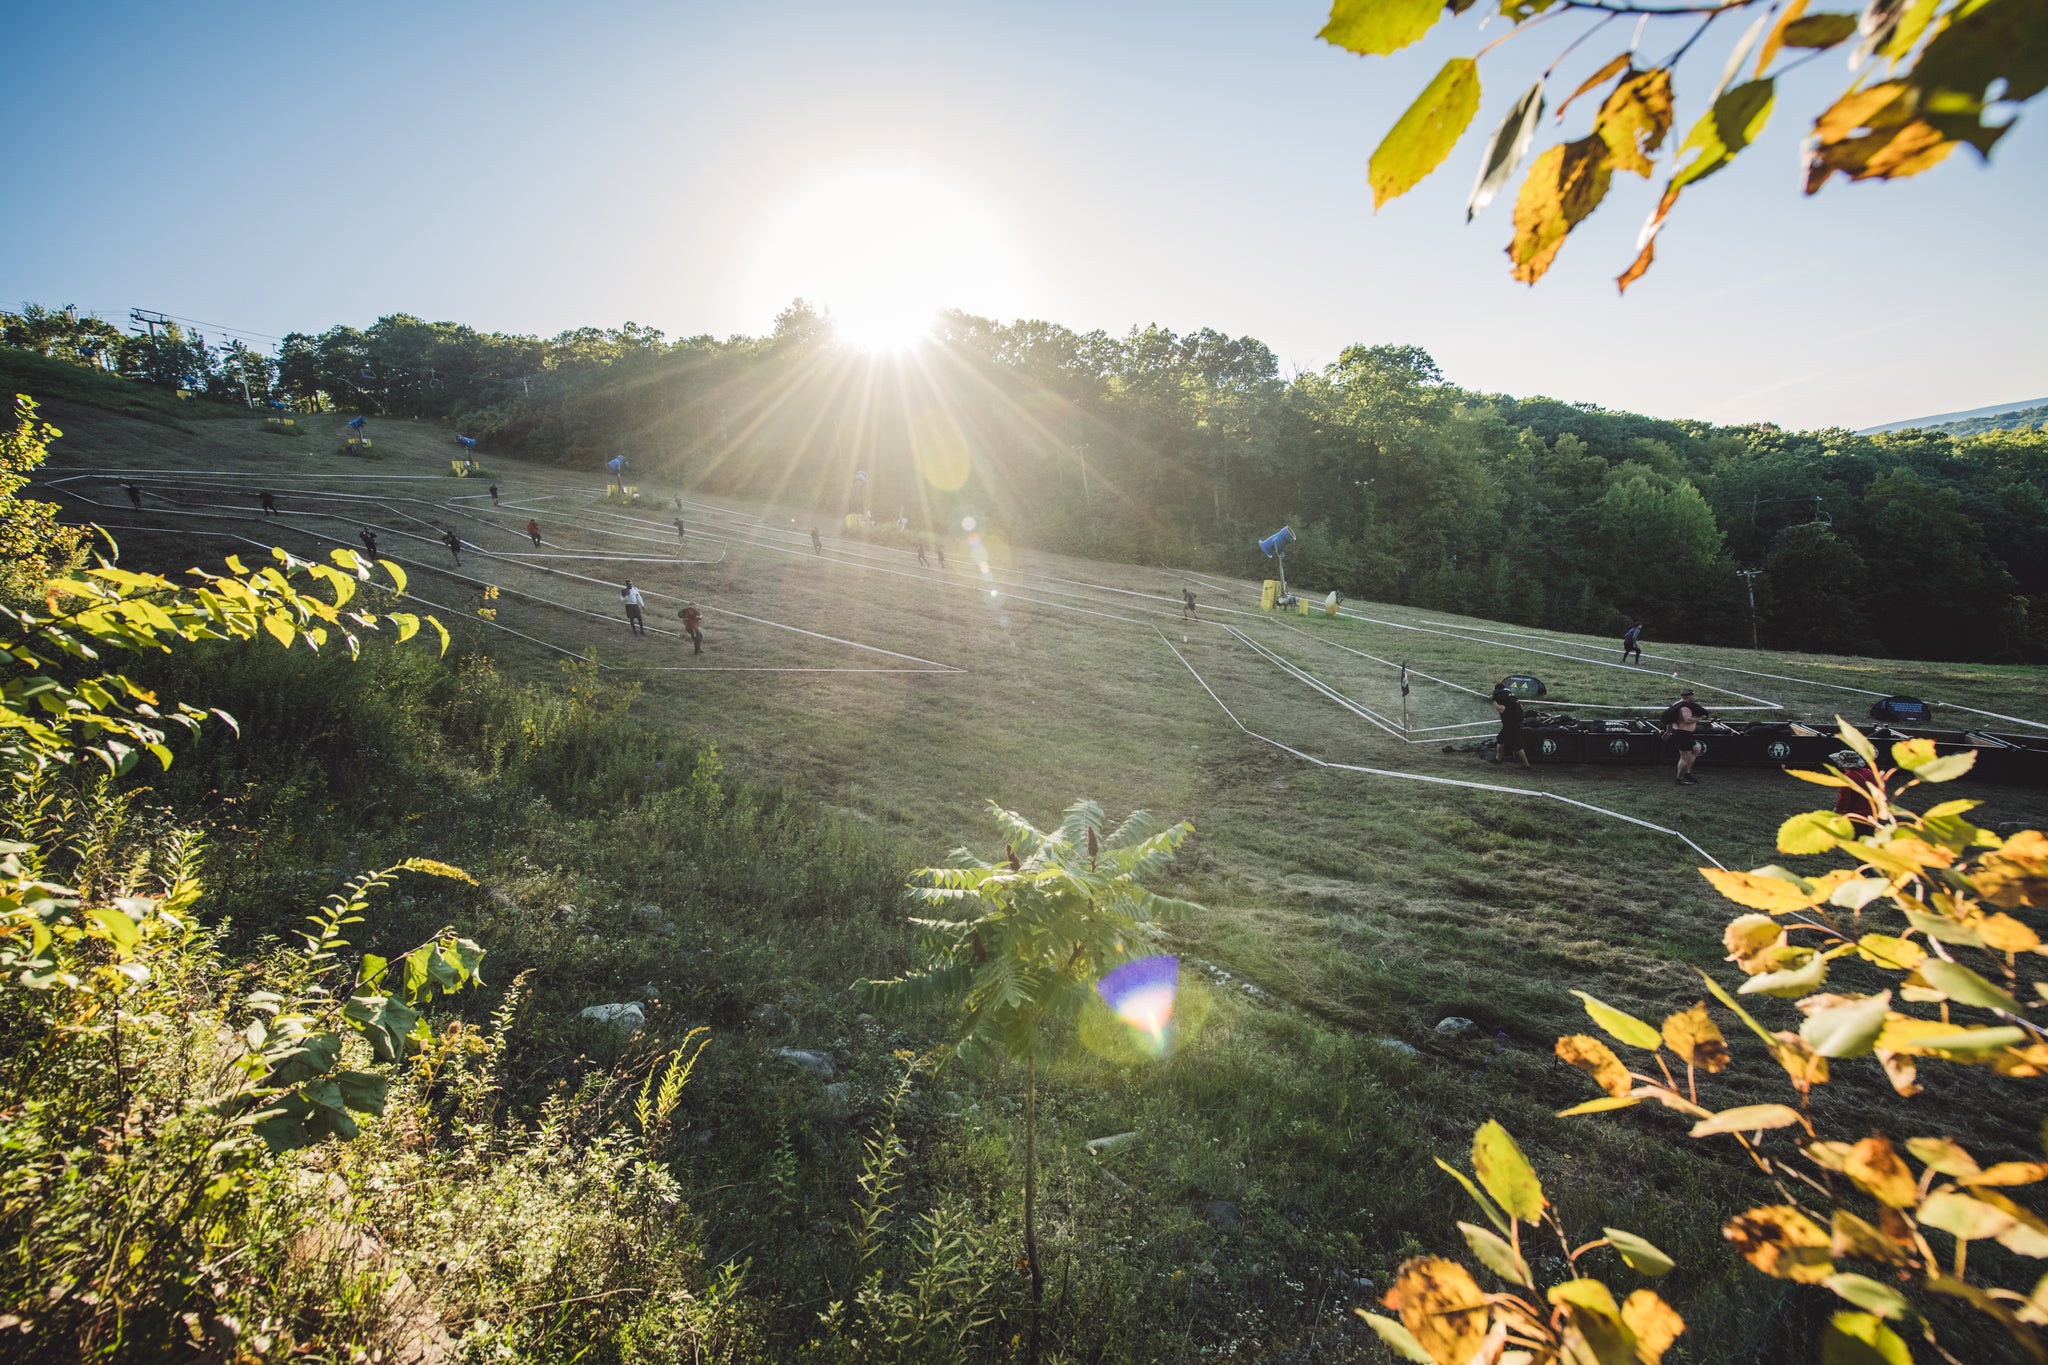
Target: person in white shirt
[(630, 595)]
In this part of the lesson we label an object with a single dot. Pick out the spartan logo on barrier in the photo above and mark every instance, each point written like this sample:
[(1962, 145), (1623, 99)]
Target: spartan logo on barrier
[(1549, 746), (1618, 746), (1779, 749)]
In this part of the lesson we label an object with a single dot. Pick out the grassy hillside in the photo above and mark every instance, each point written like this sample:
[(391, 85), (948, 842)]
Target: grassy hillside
[(1284, 1158)]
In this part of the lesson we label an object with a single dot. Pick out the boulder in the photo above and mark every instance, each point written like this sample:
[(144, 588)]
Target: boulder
[(817, 1063), (628, 1018), (1455, 1024), (1223, 1214), (1396, 1045)]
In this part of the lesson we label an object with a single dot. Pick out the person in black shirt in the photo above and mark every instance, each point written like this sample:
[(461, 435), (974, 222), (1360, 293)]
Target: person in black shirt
[(369, 539), (1509, 741), (1679, 721), (1187, 603), (134, 491), (269, 501), (454, 544), (1632, 642), (817, 545)]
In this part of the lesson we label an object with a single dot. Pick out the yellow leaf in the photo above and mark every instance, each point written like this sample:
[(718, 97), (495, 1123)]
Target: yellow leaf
[(1655, 1323), (1777, 38), (1772, 894), (1873, 1164), (1620, 1024), (1693, 1035), (1856, 1240), (1564, 185), (1945, 1156), (2007, 935), (1599, 1106), (1506, 1173), (2009, 1173), (1441, 1306), (1597, 1060), (1781, 1241), (1614, 67), (280, 626), (1635, 119), (1747, 1119)]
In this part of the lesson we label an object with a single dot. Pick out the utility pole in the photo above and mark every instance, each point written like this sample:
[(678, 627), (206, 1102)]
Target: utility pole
[(1081, 451), (1749, 580)]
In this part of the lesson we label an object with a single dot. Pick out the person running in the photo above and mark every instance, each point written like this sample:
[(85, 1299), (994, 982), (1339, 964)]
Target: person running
[(1187, 604), (939, 549), (454, 544), (693, 626), (494, 495), (1855, 801), (1679, 720), (134, 491), (920, 555), (681, 534), (369, 539), (533, 530), (630, 595), (269, 501), (817, 542), (1509, 741), (1632, 642)]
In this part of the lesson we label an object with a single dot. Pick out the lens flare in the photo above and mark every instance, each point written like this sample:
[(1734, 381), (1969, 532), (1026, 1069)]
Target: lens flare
[(1141, 994)]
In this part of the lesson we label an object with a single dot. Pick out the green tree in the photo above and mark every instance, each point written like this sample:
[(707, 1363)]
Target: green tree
[(1815, 583), (1014, 945), (34, 547)]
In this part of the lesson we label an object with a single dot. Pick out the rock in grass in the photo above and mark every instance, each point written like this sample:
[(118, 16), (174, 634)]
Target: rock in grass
[(1455, 1024), (628, 1018), (1109, 1144), (1223, 1214), (1396, 1045), (817, 1063)]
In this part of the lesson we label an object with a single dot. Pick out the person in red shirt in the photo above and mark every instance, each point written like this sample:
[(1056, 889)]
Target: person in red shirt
[(693, 626), (533, 529), (1854, 802)]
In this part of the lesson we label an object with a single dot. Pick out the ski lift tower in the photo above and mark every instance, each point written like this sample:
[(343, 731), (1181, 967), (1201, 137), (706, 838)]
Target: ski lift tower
[(1274, 547)]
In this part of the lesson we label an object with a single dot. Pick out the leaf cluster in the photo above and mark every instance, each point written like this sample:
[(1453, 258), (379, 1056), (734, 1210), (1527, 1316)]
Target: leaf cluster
[(1011, 943), (1932, 75), (1926, 904)]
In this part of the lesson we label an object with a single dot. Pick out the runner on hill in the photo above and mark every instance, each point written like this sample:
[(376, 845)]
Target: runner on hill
[(681, 534), (817, 542), (533, 530), (369, 539), (920, 555), (1679, 721), (939, 549), (454, 544), (1854, 802), (630, 595), (1509, 741), (693, 626), (269, 501), (1187, 603), (1631, 642), (494, 495), (134, 491)]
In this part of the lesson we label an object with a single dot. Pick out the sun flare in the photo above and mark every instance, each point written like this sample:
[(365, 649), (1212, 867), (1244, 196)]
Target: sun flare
[(884, 252)]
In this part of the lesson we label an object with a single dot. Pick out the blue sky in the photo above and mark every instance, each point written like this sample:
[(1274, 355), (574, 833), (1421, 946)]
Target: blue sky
[(527, 168)]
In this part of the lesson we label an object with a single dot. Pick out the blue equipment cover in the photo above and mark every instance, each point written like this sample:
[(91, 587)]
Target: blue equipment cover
[(1278, 541)]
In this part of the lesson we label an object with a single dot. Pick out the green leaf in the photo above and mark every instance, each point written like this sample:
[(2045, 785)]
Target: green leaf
[(1375, 28), (1962, 1217), (314, 1056), (1814, 831), (1847, 1030), (1398, 1339), (1948, 767), (1868, 1294), (1640, 1255), (1861, 1339), (1995, 1039), (1486, 1206), (1424, 136), (362, 1091), (1506, 1173), (1817, 30), (386, 1021), (374, 968), (1496, 1255), (1723, 131), (1621, 1026), (1854, 737), (1720, 993), (1944, 929), (1509, 145), (116, 928), (1958, 982)]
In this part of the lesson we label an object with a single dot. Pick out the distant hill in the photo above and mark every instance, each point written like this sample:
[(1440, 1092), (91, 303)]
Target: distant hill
[(2027, 413)]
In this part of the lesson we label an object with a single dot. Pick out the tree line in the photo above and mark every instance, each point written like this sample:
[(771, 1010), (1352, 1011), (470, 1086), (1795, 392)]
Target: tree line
[(1184, 449)]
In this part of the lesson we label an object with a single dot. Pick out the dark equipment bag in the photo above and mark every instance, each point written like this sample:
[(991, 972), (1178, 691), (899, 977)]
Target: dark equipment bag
[(1902, 710)]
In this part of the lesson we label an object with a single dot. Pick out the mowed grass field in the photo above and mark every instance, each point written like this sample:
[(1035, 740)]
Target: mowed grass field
[(1362, 907)]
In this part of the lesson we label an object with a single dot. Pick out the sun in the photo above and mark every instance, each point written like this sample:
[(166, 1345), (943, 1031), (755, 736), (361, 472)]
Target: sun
[(884, 251)]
